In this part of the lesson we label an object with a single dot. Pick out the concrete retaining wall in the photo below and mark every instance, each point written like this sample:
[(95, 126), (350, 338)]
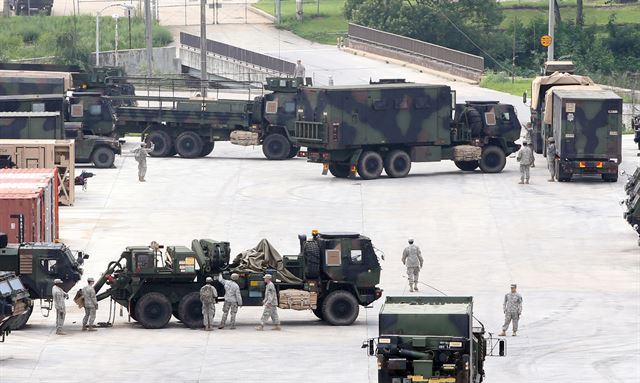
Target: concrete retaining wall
[(135, 60)]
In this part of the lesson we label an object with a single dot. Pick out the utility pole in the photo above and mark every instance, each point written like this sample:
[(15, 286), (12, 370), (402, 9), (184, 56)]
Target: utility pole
[(552, 28), (203, 46), (148, 36), (277, 12)]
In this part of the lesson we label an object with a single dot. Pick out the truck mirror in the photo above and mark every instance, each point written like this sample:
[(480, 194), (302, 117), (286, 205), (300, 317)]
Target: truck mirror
[(524, 97)]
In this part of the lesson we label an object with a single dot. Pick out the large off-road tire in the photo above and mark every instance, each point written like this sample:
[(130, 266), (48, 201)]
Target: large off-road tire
[(467, 166), (318, 311), (340, 308), (339, 170), (190, 310), (492, 160), (22, 321), (162, 143), (612, 177), (103, 157), (397, 164), (207, 148), (276, 147), (311, 252), (189, 145), (370, 165), (153, 310), (293, 151)]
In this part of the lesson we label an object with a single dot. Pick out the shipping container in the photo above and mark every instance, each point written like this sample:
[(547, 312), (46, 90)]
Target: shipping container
[(21, 217)]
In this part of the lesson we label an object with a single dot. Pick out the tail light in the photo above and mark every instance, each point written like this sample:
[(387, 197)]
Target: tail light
[(582, 164), (353, 169), (599, 165), (302, 153)]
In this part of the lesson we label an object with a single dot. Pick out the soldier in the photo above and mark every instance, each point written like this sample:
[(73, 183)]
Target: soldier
[(90, 306), (299, 70), (270, 303), (232, 299), (140, 154), (552, 152), (208, 295), (512, 308), (58, 300), (526, 159), (412, 259), (529, 138)]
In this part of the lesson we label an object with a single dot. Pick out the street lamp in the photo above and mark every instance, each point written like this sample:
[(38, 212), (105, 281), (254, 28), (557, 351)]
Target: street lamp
[(116, 17), (123, 6)]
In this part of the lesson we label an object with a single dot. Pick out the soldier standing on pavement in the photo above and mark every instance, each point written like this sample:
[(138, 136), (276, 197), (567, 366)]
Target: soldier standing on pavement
[(299, 70), (529, 138), (412, 259), (232, 299), (90, 306), (512, 308), (270, 303), (59, 296), (208, 295), (526, 159), (140, 154), (552, 152)]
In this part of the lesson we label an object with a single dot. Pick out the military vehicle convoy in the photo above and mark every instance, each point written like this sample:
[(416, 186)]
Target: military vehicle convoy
[(428, 339), (365, 129), (632, 203), (14, 302), (336, 272), (38, 265)]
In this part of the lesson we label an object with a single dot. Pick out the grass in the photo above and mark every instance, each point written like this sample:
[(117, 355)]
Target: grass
[(502, 82)]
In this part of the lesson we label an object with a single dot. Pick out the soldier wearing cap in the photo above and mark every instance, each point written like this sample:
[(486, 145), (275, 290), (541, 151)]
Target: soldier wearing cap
[(552, 152), (270, 303), (208, 295), (90, 306), (140, 154), (59, 295), (526, 159), (232, 299), (512, 308), (412, 259)]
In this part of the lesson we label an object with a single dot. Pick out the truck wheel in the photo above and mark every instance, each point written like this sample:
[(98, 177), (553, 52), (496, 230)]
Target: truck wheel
[(311, 252), (153, 310), (340, 308), (397, 164), (318, 312), (562, 176), (162, 143), (339, 170), (103, 157), (467, 166), (189, 145), (276, 147), (21, 322), (370, 165), (293, 151), (190, 310), (613, 177), (207, 148), (492, 160)]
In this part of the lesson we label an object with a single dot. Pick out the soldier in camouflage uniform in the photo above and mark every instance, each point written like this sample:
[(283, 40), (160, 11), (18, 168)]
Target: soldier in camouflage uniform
[(232, 299), (208, 295), (412, 259), (526, 159), (512, 308), (90, 306), (552, 152), (270, 303), (299, 70), (529, 138), (59, 296), (140, 154)]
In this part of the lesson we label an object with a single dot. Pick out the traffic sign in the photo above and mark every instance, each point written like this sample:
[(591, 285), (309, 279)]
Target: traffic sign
[(546, 40)]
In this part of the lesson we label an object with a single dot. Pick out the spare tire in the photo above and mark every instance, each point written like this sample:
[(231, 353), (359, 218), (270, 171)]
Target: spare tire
[(492, 159), (311, 252), (340, 308), (190, 310), (153, 310)]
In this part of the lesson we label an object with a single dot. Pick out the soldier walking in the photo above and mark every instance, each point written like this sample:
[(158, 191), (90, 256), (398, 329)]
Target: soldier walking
[(140, 154), (552, 152), (512, 308), (90, 306), (59, 296), (232, 299), (526, 159), (412, 259), (270, 303), (299, 70), (208, 295)]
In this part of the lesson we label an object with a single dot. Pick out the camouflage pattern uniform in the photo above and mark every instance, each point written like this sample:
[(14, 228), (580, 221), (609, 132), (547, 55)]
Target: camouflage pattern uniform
[(552, 152), (299, 70), (58, 301), (528, 137), (526, 159), (90, 307), (208, 295), (412, 259), (140, 154), (270, 303), (512, 308), (232, 299)]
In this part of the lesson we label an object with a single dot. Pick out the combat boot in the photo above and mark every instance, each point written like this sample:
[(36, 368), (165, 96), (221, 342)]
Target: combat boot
[(277, 328), (260, 327), (221, 326), (60, 332), (551, 180), (521, 182), (526, 182), (410, 289), (502, 334), (84, 328), (514, 334), (92, 329), (415, 287), (233, 327)]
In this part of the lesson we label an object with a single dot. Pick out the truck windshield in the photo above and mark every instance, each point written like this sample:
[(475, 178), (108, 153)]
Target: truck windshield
[(16, 284), (4, 288), (70, 256)]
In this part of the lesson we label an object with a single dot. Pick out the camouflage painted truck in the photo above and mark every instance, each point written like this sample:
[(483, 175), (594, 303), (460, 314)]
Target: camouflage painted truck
[(14, 302), (386, 126), (38, 265), (428, 339), (333, 274)]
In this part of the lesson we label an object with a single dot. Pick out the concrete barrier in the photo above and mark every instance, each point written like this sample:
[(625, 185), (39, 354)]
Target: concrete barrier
[(134, 61)]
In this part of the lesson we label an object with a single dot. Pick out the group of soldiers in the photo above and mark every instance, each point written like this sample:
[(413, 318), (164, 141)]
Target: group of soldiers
[(512, 305), (86, 299), (527, 160)]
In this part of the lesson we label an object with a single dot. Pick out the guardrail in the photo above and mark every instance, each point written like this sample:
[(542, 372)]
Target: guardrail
[(239, 54), (463, 62)]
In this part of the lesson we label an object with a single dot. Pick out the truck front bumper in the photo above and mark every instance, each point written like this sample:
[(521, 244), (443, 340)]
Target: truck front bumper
[(589, 167)]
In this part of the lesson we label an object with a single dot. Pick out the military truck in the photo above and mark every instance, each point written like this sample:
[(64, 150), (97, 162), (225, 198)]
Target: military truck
[(14, 302), (31, 7), (632, 202), (428, 339), (38, 265), (365, 129), (334, 272)]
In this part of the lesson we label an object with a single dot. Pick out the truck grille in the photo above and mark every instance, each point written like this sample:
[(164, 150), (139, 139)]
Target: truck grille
[(311, 131)]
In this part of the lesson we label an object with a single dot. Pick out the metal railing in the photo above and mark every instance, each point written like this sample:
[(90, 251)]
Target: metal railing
[(416, 47), (239, 54)]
